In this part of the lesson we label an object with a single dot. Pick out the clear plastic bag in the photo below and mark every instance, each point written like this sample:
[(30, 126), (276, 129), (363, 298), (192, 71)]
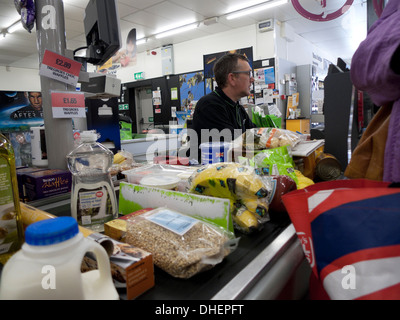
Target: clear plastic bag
[(266, 138), (181, 245), (240, 184), (135, 175)]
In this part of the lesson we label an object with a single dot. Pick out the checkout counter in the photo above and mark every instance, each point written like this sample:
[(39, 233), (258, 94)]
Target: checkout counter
[(266, 265), (269, 264)]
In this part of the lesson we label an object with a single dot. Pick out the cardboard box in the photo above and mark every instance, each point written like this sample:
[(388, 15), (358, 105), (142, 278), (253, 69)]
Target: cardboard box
[(47, 183), (132, 268), (116, 228), (21, 172)]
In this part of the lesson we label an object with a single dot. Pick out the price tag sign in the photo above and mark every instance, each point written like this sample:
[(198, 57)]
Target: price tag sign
[(68, 104), (60, 68)]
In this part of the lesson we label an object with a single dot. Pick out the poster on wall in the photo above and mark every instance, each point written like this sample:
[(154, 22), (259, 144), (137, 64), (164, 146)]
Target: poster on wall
[(210, 59), (20, 110), (191, 88), (125, 57)]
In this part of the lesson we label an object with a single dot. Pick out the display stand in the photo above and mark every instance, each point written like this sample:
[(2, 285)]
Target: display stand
[(50, 30)]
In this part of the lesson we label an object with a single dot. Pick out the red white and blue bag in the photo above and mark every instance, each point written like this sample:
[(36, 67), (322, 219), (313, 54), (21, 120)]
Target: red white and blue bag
[(350, 234)]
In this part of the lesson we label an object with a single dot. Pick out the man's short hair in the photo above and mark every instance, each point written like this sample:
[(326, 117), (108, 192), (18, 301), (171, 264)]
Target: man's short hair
[(225, 65)]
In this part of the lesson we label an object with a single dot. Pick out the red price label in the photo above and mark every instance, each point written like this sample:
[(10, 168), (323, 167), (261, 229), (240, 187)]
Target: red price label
[(60, 68), (68, 104)]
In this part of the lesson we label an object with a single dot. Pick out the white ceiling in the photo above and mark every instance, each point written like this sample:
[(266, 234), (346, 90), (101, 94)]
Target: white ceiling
[(339, 37)]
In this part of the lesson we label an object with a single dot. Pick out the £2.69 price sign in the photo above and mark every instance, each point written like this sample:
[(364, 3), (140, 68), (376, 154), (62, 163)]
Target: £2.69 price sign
[(68, 104), (60, 68)]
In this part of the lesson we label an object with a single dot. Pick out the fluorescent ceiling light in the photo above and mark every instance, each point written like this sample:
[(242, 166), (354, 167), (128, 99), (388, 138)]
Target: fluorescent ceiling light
[(15, 26), (257, 8), (177, 30)]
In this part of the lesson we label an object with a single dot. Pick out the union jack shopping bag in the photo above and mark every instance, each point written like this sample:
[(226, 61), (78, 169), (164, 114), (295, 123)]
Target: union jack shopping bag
[(350, 234)]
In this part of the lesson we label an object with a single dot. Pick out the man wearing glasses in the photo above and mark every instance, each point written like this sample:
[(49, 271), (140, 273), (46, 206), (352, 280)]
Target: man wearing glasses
[(218, 116)]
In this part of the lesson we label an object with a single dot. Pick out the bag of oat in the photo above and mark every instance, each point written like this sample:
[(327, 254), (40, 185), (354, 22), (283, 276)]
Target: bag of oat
[(181, 245)]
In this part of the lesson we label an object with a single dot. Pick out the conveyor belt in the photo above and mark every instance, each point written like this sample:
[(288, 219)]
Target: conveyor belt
[(239, 273)]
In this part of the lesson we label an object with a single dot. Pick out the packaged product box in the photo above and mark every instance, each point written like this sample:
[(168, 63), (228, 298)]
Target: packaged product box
[(21, 172), (132, 268), (116, 228), (47, 183)]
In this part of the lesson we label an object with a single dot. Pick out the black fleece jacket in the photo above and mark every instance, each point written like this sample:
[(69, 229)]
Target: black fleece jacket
[(217, 111)]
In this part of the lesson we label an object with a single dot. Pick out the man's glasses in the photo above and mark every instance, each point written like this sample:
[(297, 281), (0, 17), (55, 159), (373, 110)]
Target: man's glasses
[(249, 73)]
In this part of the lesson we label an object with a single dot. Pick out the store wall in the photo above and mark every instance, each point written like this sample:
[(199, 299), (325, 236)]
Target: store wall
[(188, 56), (17, 79), (298, 50)]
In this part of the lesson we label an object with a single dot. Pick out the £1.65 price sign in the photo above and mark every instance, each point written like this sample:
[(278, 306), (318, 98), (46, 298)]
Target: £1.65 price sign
[(60, 68), (68, 104)]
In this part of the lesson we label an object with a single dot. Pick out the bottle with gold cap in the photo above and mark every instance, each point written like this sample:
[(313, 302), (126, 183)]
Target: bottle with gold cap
[(11, 230)]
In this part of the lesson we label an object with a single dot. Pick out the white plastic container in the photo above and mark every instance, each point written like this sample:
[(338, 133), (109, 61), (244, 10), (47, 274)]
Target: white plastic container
[(93, 200), (48, 267), (162, 182), (214, 152), (38, 147)]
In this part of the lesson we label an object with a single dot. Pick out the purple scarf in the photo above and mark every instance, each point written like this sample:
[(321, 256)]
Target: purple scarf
[(371, 72)]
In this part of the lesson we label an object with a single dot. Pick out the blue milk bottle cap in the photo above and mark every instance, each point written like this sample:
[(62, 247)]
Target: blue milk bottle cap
[(51, 231)]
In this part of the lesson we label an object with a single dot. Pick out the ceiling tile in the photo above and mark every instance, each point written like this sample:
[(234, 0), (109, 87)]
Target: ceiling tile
[(173, 12), (206, 8), (147, 19), (140, 4), (124, 10)]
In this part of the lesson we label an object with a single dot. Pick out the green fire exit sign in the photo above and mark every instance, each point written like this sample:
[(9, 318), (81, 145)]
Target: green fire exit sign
[(139, 75)]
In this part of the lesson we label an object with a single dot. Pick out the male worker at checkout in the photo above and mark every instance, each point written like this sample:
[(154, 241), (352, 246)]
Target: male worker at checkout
[(220, 109)]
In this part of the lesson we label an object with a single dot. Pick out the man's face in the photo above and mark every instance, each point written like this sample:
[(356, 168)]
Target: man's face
[(35, 98), (244, 78)]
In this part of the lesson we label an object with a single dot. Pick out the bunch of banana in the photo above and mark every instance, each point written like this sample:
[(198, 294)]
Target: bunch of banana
[(227, 180), (239, 184), (245, 221), (119, 158)]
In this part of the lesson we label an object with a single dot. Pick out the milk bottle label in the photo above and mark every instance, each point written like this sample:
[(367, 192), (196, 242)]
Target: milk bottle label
[(8, 223)]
